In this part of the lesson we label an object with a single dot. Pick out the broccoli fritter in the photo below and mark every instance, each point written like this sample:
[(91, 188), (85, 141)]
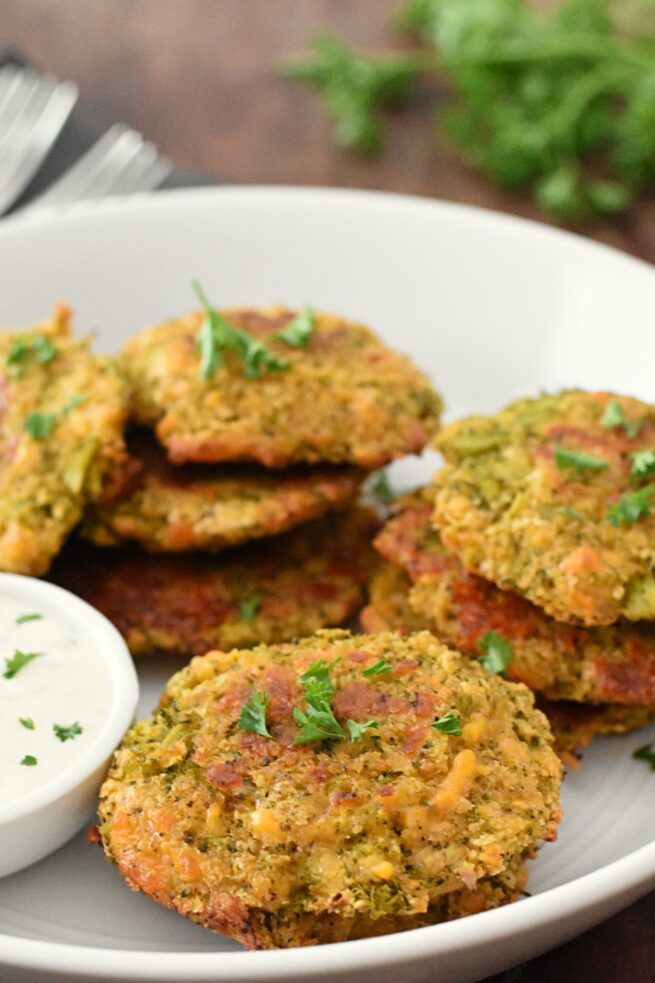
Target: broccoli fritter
[(552, 498), (279, 843), (61, 438), (170, 508), (345, 398), (269, 591), (574, 725), (614, 664)]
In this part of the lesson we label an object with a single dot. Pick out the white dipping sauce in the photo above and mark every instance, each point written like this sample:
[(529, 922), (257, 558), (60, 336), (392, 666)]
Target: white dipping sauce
[(68, 683)]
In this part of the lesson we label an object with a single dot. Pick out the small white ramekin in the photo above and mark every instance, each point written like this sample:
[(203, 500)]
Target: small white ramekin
[(41, 821)]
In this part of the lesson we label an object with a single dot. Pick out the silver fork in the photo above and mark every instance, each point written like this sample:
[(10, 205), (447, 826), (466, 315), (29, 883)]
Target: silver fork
[(120, 163), (33, 110)]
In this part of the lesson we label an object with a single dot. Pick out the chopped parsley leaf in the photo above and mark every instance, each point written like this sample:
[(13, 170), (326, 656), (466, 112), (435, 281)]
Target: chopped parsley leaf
[(448, 724), (217, 335), (381, 488), (21, 619), (26, 722), (319, 688), (74, 402), (41, 349), (498, 653), (316, 724), (44, 350), (356, 731), (29, 760), (579, 460), (249, 607), (629, 508), (39, 425), (643, 464), (17, 662), (253, 714), (614, 417), (378, 668), (67, 733), (646, 753), (298, 331)]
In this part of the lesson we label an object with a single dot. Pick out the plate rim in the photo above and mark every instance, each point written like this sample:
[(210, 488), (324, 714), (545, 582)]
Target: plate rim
[(629, 876)]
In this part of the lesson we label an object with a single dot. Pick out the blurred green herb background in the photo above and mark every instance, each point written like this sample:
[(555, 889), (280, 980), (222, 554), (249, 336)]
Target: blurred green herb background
[(557, 104)]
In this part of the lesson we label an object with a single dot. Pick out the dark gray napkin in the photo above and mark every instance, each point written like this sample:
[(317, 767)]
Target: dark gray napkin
[(84, 126)]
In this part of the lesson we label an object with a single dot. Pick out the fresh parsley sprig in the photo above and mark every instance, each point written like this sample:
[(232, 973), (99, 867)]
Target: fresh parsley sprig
[(646, 753), (217, 336), (67, 733), (579, 460), (18, 661), (537, 98), (253, 714), (381, 488), (631, 507), (643, 464), (354, 88), (357, 731), (614, 417), (448, 724), (298, 332), (382, 667), (498, 653), (39, 425), (40, 349), (249, 607)]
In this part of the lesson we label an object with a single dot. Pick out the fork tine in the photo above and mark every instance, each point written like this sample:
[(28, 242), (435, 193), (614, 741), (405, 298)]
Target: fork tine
[(121, 162), (33, 110)]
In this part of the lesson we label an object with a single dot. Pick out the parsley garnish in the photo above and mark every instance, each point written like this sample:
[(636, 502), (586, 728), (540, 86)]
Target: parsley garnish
[(318, 722), (449, 723), (614, 417), (29, 760), (67, 733), (26, 722), (356, 731), (498, 653), (39, 425), (646, 753), (643, 464), (253, 714), (381, 488), (41, 349), (21, 619), (378, 668), (217, 335), (249, 607), (298, 331), (74, 402), (629, 508), (19, 659), (579, 460)]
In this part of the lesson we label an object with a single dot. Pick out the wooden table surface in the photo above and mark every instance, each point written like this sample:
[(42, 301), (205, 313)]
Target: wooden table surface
[(198, 78)]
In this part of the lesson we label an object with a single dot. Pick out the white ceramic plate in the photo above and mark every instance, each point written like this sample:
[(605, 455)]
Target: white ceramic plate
[(494, 307)]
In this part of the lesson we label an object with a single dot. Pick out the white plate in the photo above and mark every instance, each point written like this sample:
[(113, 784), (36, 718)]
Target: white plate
[(494, 307)]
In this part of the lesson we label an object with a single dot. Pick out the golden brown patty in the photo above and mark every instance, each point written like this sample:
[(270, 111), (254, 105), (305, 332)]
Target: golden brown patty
[(614, 664), (277, 844), (170, 508), (548, 499), (574, 725), (344, 399), (61, 438), (269, 591)]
